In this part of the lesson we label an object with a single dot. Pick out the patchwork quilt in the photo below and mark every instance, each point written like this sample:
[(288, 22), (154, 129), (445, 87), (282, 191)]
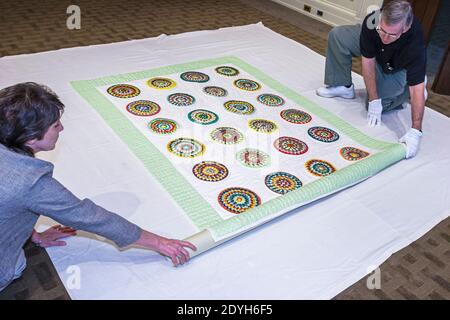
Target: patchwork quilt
[(233, 147)]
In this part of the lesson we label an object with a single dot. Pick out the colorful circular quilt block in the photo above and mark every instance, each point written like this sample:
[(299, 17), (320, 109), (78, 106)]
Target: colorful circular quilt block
[(123, 91), (282, 182), (181, 99), (162, 126), (227, 135), (319, 168), (253, 158), (194, 76), (290, 145), (295, 116), (263, 126), (215, 91), (239, 107), (143, 108), (186, 147), (227, 71), (323, 134), (202, 116), (238, 200), (353, 154), (210, 171), (271, 100), (247, 84), (161, 83)]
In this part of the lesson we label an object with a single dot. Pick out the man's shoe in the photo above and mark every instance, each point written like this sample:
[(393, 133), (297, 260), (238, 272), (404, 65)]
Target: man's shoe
[(338, 91)]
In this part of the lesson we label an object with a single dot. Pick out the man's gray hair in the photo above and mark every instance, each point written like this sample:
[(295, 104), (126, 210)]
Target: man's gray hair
[(397, 11)]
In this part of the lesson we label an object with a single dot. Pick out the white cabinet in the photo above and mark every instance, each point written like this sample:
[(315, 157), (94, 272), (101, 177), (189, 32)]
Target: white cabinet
[(338, 12)]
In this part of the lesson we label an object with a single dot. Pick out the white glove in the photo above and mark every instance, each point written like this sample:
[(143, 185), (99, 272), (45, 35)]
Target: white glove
[(412, 141), (374, 113)]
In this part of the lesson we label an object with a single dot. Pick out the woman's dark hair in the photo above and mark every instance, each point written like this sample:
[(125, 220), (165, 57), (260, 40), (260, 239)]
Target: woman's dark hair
[(27, 110)]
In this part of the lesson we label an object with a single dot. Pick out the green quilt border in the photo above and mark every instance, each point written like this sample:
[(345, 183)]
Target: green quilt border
[(201, 213)]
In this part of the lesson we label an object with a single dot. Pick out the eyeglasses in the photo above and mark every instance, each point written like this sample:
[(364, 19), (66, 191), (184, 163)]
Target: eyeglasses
[(391, 36)]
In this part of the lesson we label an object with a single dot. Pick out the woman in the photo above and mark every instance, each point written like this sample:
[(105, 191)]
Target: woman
[(30, 123)]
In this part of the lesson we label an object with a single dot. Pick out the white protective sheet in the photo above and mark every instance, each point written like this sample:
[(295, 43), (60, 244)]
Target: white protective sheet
[(313, 252)]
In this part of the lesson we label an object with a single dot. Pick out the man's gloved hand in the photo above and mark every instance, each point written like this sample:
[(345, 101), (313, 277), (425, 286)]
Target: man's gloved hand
[(412, 141), (374, 113)]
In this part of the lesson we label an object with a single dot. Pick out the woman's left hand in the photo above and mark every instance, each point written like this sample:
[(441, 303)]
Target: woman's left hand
[(50, 237)]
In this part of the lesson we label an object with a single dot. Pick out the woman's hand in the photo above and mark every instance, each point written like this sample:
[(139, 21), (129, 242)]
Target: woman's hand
[(50, 237), (174, 249)]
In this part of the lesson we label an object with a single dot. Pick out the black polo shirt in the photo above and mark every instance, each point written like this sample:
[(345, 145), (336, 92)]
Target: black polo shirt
[(407, 52)]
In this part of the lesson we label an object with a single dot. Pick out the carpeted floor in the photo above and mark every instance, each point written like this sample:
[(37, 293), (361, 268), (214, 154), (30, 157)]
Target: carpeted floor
[(419, 271)]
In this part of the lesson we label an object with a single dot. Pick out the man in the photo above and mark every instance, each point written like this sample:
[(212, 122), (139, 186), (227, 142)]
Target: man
[(393, 53)]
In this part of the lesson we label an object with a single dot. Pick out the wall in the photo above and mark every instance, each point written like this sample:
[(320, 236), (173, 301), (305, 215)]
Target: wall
[(338, 12)]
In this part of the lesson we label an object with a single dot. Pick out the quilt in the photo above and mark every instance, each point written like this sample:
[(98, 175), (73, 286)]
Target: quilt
[(232, 146)]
